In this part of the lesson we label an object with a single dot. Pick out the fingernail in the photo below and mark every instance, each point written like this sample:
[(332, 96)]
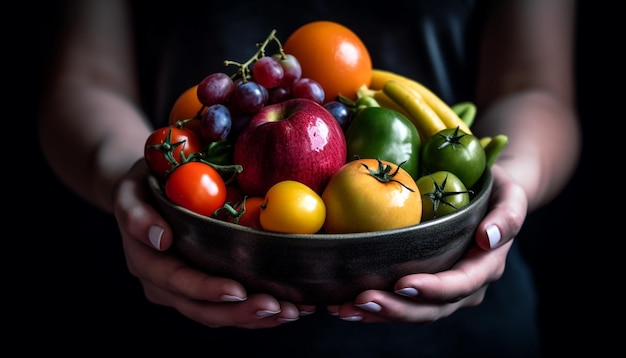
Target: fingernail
[(266, 313), (231, 298), (306, 313), (408, 292), (370, 306), (286, 320), (493, 233), (154, 235), (352, 318)]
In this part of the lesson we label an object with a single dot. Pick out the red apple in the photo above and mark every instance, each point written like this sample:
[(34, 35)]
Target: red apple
[(297, 139)]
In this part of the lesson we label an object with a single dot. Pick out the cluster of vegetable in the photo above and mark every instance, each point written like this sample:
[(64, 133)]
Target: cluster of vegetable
[(404, 122), (445, 164)]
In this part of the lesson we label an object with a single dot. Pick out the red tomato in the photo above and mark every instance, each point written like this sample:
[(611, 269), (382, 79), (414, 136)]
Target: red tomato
[(251, 217), (165, 145), (196, 186)]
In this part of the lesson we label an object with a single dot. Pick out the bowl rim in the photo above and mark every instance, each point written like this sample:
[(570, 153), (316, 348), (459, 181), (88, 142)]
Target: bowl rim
[(486, 180)]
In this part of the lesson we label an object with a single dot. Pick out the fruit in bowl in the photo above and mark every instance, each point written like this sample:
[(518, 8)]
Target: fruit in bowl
[(322, 269), (297, 139), (273, 127)]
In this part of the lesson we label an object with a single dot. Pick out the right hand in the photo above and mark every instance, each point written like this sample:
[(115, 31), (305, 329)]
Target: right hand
[(167, 280)]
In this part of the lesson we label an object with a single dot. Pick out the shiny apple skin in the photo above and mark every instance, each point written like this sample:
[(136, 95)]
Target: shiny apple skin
[(297, 139)]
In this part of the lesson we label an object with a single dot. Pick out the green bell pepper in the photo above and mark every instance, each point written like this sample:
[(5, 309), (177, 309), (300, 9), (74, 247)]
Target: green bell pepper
[(383, 133)]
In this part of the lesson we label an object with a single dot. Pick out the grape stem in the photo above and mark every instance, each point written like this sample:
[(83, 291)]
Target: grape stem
[(244, 68)]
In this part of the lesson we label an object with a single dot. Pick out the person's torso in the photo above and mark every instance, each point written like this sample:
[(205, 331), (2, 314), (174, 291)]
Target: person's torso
[(182, 42)]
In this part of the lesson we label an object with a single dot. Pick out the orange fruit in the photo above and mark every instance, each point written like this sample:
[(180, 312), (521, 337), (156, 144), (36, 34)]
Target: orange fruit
[(187, 106), (332, 55)]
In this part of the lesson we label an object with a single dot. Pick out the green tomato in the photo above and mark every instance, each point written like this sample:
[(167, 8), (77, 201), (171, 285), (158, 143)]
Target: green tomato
[(442, 193), (383, 133), (455, 151)]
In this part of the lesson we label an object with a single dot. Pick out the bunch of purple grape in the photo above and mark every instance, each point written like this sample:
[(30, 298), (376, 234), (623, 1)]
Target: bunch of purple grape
[(232, 102)]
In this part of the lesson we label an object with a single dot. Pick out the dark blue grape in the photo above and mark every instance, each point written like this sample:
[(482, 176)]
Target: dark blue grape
[(341, 112), (248, 97), (215, 123)]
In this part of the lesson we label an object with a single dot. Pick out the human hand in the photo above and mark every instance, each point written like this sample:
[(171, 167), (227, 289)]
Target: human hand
[(169, 281), (425, 298)]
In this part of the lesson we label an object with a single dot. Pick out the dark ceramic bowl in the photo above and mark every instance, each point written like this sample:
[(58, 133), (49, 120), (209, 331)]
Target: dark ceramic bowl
[(322, 269)]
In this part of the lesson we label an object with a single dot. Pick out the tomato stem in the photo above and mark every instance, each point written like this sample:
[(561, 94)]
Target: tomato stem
[(454, 139), (234, 213), (383, 173), (234, 169)]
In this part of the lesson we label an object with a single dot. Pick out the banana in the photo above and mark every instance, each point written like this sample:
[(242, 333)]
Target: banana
[(494, 147), (381, 98), (380, 77), (444, 111), (423, 117), (387, 102)]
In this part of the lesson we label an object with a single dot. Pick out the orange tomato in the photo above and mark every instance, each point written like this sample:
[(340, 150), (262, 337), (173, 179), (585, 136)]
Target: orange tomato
[(371, 195), (332, 55), (187, 106)]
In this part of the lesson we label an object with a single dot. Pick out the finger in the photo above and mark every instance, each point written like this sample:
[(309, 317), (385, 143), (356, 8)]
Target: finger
[(259, 311), (508, 208), (476, 269), (170, 273), (306, 310), (423, 298), (289, 312), (210, 300), (134, 216), (334, 309), (390, 307)]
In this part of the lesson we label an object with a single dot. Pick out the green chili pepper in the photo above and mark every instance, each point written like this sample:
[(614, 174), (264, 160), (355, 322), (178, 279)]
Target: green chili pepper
[(466, 110)]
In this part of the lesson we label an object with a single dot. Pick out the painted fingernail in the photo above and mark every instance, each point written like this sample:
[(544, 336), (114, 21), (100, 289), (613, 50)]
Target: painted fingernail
[(306, 313), (155, 233), (493, 233), (352, 318), (370, 306), (266, 313), (286, 320), (231, 298), (408, 292)]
